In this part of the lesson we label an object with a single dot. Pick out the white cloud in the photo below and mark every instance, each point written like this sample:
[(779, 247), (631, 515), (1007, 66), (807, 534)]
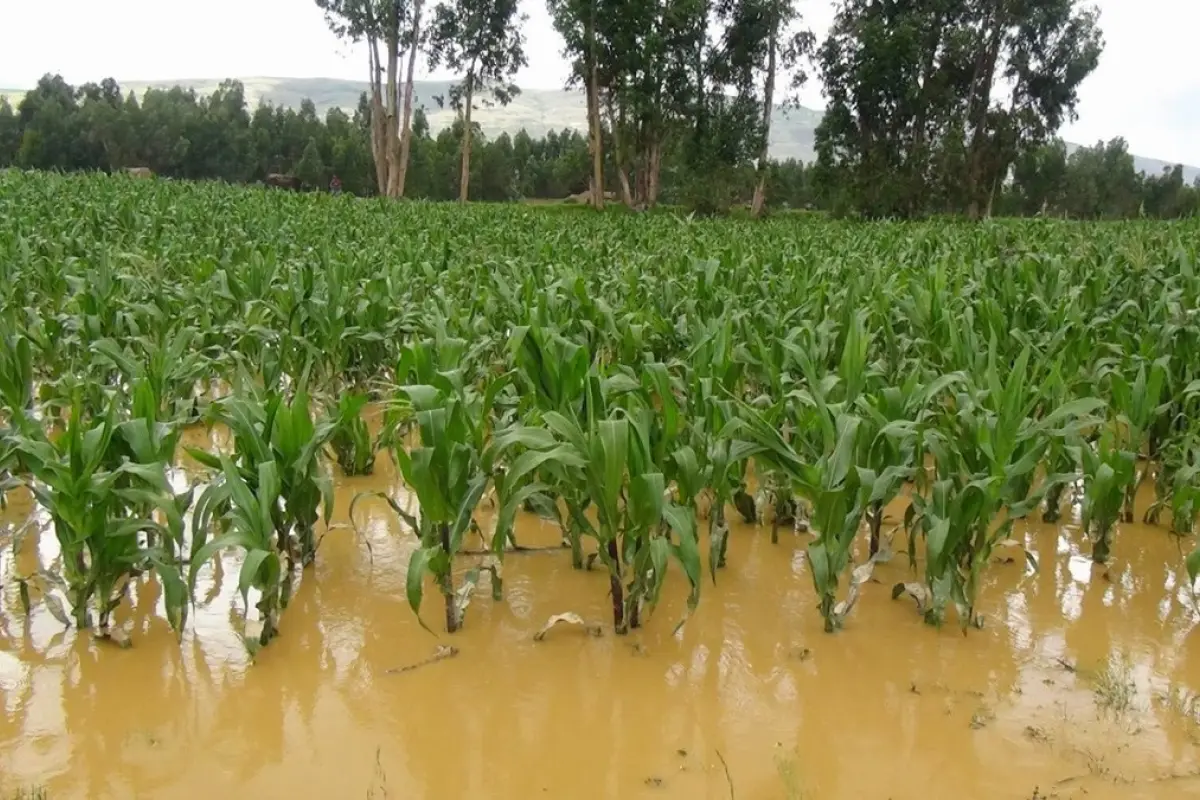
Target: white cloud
[(1145, 89)]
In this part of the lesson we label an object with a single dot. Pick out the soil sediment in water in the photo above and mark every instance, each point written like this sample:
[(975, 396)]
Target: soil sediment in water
[(1084, 681)]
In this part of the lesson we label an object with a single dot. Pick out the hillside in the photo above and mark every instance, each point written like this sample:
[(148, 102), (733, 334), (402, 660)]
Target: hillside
[(535, 110)]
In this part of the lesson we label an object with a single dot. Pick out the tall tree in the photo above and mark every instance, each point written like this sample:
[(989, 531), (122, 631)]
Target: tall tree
[(394, 24), (1041, 51), (482, 40), (577, 22), (768, 33), (934, 100), (311, 169)]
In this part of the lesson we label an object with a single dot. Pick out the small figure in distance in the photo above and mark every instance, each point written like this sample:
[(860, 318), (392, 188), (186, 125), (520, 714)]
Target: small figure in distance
[(335, 185)]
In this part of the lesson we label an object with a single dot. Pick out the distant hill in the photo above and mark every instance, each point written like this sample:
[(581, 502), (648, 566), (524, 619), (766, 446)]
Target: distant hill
[(536, 110)]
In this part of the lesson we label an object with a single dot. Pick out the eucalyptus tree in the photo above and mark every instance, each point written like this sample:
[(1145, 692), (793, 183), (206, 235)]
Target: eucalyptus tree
[(915, 92), (763, 40), (482, 40), (577, 21), (395, 24), (1038, 52)]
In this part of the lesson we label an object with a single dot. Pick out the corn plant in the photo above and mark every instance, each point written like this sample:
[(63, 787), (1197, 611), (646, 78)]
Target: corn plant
[(892, 415), (88, 491), (448, 471), (16, 377), (637, 529), (168, 365), (352, 444), (1108, 469), (1179, 477), (986, 449), (247, 514), (838, 490), (553, 373), (267, 426), (1138, 406)]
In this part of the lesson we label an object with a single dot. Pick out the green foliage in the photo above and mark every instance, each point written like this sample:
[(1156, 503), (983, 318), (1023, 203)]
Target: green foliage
[(1107, 472), (670, 151), (352, 444), (310, 169), (93, 494), (914, 123)]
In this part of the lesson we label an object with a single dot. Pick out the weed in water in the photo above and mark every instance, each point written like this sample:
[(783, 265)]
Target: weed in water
[(788, 767), (1115, 689)]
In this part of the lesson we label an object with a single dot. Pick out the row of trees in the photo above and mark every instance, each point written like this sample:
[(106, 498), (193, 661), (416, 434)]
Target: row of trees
[(180, 134), (935, 107), (683, 87), (931, 102)]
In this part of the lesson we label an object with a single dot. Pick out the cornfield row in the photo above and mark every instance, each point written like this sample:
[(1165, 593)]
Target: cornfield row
[(615, 374)]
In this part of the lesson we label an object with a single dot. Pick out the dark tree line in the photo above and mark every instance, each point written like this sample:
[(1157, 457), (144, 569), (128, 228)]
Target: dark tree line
[(179, 134)]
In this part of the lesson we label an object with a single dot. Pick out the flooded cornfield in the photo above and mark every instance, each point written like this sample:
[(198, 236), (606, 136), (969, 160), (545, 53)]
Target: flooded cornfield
[(1083, 682), (308, 497)]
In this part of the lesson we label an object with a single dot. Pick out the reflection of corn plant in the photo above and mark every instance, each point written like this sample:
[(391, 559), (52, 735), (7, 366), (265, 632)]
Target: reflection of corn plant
[(89, 503), (1108, 469), (351, 441)]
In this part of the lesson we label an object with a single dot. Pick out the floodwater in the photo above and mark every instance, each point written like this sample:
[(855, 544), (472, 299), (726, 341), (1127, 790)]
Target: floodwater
[(1084, 682)]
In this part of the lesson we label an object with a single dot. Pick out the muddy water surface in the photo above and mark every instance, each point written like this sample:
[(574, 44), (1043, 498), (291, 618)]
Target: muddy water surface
[(1083, 683)]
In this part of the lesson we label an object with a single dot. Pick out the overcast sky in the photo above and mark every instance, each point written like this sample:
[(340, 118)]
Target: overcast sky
[(1146, 88)]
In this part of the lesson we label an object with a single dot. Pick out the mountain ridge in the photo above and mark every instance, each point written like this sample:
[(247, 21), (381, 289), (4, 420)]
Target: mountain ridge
[(536, 110)]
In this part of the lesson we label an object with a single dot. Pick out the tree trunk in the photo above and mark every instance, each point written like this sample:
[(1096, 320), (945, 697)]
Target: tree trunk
[(620, 148), (379, 117), (597, 144), (917, 157), (654, 172), (593, 101), (406, 120), (391, 143), (760, 190), (981, 98), (464, 177)]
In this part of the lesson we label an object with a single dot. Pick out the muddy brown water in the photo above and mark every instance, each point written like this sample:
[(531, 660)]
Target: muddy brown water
[(1084, 683)]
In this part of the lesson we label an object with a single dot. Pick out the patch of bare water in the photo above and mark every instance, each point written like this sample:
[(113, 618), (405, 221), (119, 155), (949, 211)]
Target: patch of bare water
[(1083, 683)]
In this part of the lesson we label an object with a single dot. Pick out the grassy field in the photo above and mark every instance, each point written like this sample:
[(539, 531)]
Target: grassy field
[(637, 380)]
